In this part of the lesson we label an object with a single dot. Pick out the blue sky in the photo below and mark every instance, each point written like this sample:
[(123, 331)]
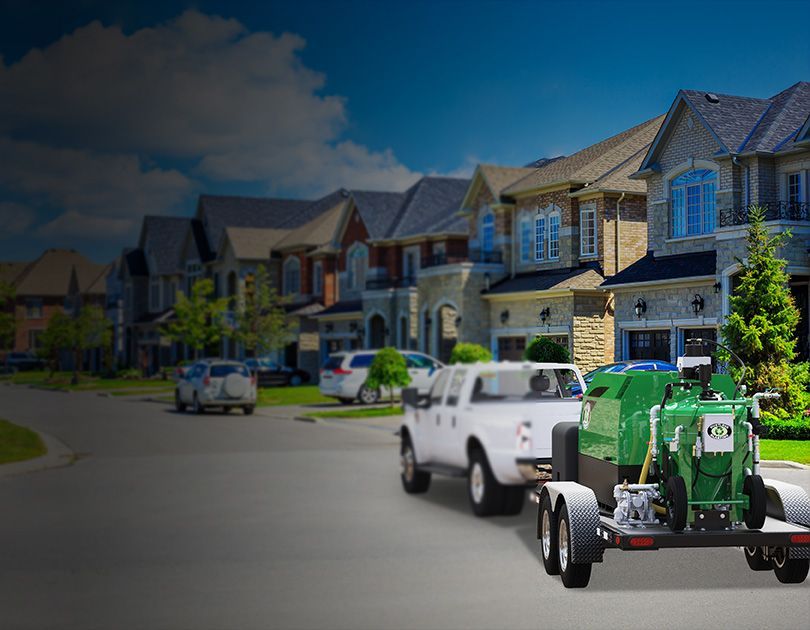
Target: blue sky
[(161, 101)]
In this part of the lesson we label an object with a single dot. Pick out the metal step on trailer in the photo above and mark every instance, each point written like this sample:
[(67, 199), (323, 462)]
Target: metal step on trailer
[(775, 533)]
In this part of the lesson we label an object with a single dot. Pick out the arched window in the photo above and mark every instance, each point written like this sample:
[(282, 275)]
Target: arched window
[(356, 264), (539, 237), (554, 236), (487, 232), (525, 238), (292, 276), (693, 202)]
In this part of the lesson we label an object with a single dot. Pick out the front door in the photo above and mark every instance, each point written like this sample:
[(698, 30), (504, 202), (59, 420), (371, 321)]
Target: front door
[(648, 344)]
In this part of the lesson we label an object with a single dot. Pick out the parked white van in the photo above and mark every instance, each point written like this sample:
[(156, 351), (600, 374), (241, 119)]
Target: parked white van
[(490, 422), (343, 375)]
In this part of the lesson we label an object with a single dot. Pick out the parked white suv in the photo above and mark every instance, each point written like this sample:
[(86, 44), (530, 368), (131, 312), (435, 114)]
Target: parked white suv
[(490, 422), (343, 375), (216, 383)]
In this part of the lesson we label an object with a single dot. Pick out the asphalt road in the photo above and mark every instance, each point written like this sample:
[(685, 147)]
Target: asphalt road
[(177, 521)]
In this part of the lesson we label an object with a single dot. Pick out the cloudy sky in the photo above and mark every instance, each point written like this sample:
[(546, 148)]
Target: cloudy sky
[(109, 111)]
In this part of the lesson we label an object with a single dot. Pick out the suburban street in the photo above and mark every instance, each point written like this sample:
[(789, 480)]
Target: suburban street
[(228, 521)]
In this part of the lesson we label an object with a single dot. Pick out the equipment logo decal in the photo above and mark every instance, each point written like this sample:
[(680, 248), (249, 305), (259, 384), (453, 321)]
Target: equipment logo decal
[(719, 431), (586, 414)]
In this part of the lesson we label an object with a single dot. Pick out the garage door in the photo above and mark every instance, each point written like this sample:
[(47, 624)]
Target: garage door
[(511, 348), (649, 344)]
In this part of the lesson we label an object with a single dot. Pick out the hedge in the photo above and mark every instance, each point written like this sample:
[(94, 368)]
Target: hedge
[(787, 429)]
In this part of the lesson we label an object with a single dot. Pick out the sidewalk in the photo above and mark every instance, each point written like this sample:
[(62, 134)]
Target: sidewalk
[(58, 455)]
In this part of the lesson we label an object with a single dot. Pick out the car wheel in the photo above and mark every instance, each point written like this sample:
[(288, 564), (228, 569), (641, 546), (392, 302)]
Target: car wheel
[(368, 396), (414, 481), (248, 410), (179, 405), (548, 537), (789, 570), (196, 407), (573, 575), (756, 559), (295, 380), (486, 494)]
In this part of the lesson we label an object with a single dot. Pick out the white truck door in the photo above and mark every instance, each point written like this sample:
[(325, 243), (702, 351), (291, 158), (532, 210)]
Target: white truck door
[(448, 426), (425, 420)]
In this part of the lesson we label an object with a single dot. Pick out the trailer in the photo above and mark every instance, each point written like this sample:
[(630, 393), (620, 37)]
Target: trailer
[(638, 475)]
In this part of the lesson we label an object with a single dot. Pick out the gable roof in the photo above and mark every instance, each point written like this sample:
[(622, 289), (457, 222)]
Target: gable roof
[(431, 206), (593, 163), (51, 275), (319, 231), (378, 210), (253, 243), (741, 124), (496, 179), (10, 271), (165, 236)]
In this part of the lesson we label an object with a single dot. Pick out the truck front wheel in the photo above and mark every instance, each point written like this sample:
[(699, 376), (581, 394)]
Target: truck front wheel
[(487, 496), (573, 575), (414, 481)]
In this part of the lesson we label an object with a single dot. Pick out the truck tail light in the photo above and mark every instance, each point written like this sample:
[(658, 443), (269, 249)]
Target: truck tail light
[(524, 436), (800, 539), (642, 541)]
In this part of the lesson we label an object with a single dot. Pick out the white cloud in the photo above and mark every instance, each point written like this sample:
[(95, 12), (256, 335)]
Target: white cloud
[(15, 218), (200, 88), (75, 225)]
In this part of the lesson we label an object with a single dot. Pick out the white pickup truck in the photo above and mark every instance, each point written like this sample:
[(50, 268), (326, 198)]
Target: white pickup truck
[(490, 422)]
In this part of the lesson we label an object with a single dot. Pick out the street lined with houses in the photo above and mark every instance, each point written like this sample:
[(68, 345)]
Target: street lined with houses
[(169, 520)]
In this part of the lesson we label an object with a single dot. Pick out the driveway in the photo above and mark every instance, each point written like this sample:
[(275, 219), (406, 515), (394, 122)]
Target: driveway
[(178, 521)]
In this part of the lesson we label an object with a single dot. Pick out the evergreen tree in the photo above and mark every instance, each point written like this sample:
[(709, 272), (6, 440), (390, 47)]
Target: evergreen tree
[(200, 320), (544, 350)]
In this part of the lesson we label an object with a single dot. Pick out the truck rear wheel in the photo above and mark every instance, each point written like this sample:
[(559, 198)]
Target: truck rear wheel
[(547, 532), (414, 481), (756, 559), (486, 494), (789, 570), (754, 488), (677, 505), (573, 575)]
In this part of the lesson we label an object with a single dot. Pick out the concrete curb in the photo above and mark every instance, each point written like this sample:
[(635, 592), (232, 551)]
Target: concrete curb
[(782, 463), (307, 419), (59, 455)]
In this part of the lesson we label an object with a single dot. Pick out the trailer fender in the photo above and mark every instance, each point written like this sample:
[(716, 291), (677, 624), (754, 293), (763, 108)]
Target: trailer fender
[(789, 503), (583, 513)]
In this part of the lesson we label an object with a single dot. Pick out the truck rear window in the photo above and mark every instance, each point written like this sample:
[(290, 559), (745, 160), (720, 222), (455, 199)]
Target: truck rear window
[(221, 371), (523, 385)]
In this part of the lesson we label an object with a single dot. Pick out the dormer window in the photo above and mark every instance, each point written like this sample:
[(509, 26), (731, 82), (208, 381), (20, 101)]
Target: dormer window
[(693, 202)]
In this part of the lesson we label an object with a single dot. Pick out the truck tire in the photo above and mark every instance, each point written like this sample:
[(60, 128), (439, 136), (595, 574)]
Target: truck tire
[(677, 505), (414, 481), (547, 532), (754, 516), (756, 559), (789, 570), (486, 494), (573, 575), (368, 396)]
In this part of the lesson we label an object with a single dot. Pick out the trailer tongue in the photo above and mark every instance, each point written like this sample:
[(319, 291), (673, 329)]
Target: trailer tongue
[(662, 460)]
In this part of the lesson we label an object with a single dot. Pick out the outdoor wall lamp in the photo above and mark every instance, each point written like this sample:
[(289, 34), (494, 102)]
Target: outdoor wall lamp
[(640, 307), (698, 303), (504, 315), (458, 321), (544, 315), (718, 286)]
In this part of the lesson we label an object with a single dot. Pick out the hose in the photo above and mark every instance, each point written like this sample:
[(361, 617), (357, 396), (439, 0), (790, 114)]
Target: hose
[(645, 469)]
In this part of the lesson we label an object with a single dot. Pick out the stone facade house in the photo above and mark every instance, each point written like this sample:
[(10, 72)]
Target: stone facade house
[(714, 156)]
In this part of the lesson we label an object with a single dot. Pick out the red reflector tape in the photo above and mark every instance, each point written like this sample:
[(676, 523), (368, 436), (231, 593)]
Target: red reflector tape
[(800, 539), (642, 541)]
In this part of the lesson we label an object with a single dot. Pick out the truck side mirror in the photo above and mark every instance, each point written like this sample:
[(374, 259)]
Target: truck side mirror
[(411, 398)]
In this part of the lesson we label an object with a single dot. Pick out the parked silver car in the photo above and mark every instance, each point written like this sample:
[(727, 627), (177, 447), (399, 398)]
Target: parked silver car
[(216, 383)]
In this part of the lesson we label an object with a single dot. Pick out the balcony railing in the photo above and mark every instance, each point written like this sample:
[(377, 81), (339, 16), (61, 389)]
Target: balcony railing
[(774, 211), (390, 283), (474, 255)]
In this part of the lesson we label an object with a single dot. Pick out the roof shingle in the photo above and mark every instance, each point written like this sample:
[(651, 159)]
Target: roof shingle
[(653, 268)]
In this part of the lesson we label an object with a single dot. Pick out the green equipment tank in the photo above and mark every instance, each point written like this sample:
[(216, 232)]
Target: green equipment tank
[(677, 447)]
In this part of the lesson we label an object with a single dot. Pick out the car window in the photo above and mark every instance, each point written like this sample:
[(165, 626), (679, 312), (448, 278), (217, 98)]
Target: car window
[(439, 385), (418, 361), (221, 371), (454, 391), (521, 385), (665, 367), (361, 360), (197, 371), (333, 362), (641, 367)]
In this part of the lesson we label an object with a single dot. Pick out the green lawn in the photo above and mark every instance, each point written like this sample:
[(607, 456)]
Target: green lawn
[(793, 450), (61, 381), (301, 395), (18, 443), (359, 412)]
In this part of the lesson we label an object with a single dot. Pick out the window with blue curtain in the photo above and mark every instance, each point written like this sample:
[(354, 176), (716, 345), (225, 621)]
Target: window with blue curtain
[(539, 237), (554, 236), (488, 232), (693, 202), (525, 239)]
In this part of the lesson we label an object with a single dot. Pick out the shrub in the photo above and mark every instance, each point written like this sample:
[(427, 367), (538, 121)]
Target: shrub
[(544, 350), (797, 428), (469, 353), (389, 370)]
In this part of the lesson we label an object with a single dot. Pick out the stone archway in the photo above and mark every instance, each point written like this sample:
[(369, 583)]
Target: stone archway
[(446, 331), (376, 331)]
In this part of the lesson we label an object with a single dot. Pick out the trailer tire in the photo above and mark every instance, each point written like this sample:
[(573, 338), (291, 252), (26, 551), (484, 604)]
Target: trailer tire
[(754, 516), (677, 503), (573, 575), (486, 494), (789, 570), (547, 531), (756, 559), (414, 481), (513, 499)]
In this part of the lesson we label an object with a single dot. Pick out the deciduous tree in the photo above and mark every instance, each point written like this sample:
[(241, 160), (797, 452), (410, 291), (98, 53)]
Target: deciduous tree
[(389, 370), (262, 324), (199, 319)]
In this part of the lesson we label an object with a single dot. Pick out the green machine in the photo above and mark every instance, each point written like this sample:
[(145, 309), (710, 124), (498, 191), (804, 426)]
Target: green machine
[(676, 447)]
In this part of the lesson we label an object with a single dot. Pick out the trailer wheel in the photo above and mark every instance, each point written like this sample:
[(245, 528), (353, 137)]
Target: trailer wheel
[(414, 481), (789, 570), (514, 497), (486, 494), (677, 505), (573, 575), (548, 537), (756, 559), (754, 487)]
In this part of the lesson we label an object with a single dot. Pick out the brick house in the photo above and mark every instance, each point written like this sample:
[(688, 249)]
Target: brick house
[(714, 156)]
